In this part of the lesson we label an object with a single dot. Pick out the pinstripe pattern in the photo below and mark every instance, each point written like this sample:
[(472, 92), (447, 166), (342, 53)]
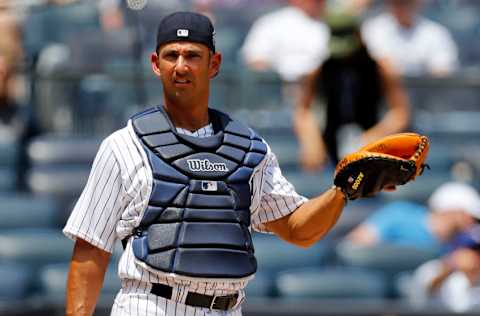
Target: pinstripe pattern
[(112, 204)]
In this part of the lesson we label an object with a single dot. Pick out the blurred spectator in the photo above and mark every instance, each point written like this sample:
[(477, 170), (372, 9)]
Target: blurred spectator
[(353, 7), (16, 119), (454, 280), (452, 208), (291, 41), (353, 85), (414, 44), (12, 124)]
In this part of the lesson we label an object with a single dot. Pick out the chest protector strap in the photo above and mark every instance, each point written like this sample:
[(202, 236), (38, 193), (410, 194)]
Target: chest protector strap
[(198, 215)]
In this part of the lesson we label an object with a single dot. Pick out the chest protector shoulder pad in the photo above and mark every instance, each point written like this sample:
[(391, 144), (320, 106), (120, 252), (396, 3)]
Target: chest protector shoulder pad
[(198, 215)]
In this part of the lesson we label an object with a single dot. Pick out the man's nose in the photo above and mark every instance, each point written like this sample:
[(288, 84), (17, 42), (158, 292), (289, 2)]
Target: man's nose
[(181, 66)]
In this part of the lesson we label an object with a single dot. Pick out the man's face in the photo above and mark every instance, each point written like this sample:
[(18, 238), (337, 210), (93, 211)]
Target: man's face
[(459, 220), (185, 69), (313, 8), (404, 10)]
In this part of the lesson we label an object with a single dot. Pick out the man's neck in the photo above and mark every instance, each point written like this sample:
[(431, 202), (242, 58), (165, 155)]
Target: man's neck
[(187, 117)]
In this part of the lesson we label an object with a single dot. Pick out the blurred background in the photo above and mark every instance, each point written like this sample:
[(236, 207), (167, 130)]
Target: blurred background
[(72, 72)]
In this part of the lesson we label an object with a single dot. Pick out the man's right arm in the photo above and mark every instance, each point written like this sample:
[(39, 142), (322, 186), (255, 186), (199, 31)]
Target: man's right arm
[(85, 278), (92, 224)]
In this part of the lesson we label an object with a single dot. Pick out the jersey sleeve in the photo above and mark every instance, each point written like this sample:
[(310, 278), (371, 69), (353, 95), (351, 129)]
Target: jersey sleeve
[(273, 195), (99, 208)]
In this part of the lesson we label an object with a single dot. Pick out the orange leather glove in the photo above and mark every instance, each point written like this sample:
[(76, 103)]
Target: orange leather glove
[(391, 161)]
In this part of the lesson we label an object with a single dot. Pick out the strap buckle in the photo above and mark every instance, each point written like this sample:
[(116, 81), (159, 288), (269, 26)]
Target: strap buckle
[(212, 303)]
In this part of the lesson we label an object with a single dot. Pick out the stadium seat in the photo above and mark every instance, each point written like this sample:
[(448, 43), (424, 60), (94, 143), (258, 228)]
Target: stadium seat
[(60, 166), (34, 247), (261, 90), (285, 146), (390, 259), (8, 179), (331, 283), (420, 189), (274, 254), (16, 281), (26, 211), (61, 181), (310, 184), (58, 23), (56, 149), (8, 153), (354, 214), (261, 286), (53, 280)]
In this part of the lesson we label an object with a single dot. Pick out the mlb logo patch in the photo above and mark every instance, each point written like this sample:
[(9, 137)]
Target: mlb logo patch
[(209, 185), (182, 33)]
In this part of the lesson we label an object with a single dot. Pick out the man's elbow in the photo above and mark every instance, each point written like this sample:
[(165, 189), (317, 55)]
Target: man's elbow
[(303, 241)]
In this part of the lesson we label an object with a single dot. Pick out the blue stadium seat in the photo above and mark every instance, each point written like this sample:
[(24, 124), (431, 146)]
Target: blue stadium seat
[(53, 280), (261, 90), (59, 181), (309, 184), (34, 247), (390, 259), (57, 149), (26, 211), (354, 214), (58, 23), (16, 281), (332, 283), (262, 285), (8, 179), (420, 189), (274, 254), (60, 165), (285, 146), (8, 153)]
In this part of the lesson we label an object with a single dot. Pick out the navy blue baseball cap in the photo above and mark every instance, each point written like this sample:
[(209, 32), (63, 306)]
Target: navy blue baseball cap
[(467, 239), (186, 26)]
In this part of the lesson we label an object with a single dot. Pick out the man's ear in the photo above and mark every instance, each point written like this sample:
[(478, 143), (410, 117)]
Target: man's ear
[(215, 62), (154, 63)]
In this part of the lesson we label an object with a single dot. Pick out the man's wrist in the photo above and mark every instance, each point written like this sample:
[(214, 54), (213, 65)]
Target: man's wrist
[(341, 191)]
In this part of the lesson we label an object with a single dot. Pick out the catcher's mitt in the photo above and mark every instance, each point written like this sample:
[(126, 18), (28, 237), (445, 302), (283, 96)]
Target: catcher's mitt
[(388, 162)]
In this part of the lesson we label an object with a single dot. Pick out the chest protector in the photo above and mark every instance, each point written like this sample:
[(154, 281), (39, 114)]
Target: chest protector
[(198, 215)]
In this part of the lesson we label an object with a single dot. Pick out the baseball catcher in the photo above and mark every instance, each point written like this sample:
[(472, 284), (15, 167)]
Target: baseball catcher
[(391, 161)]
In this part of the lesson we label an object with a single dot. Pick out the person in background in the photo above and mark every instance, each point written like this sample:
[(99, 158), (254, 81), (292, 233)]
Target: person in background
[(414, 44), (454, 279), (16, 120), (291, 41), (452, 208), (353, 85)]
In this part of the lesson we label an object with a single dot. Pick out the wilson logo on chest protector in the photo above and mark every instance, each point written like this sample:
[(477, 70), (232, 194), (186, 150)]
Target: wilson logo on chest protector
[(206, 165)]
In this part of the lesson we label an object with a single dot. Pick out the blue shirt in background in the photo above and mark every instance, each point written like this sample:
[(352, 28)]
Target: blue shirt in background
[(403, 223)]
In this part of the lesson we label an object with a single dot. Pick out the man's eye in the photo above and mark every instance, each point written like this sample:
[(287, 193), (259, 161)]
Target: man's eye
[(170, 55)]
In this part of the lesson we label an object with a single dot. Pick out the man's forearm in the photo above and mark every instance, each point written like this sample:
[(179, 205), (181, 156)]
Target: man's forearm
[(85, 278), (438, 280), (312, 220)]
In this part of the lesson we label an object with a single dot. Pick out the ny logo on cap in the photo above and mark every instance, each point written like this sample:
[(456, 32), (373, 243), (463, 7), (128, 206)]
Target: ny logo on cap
[(182, 33)]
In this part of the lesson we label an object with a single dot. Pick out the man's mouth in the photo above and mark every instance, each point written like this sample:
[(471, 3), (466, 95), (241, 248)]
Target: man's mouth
[(181, 81)]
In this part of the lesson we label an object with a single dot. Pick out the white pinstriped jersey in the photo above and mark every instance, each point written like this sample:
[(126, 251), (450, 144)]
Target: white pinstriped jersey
[(114, 200)]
